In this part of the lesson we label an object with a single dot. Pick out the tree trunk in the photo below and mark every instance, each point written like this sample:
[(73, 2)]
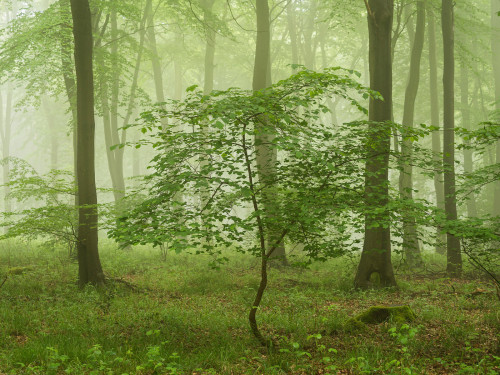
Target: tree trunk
[(466, 122), (436, 135), (155, 57), (54, 137), (453, 253), (208, 85), (411, 247), (495, 47), (309, 47), (69, 80), (115, 157), (90, 270), (266, 156), (5, 133), (376, 255), (292, 28)]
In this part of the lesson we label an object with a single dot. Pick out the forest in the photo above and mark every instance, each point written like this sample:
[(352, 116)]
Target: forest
[(249, 187)]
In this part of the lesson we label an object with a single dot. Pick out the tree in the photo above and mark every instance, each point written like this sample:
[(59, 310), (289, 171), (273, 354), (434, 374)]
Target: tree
[(466, 123), (318, 178), (266, 159), (5, 138), (411, 246), (90, 270), (495, 47), (453, 253), (376, 254), (436, 136)]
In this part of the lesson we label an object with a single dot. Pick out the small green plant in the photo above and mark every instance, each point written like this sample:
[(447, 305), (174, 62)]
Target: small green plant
[(404, 334), (55, 361), (46, 205)]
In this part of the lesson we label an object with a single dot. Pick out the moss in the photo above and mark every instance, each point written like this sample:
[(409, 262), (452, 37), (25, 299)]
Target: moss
[(379, 314), (354, 325)]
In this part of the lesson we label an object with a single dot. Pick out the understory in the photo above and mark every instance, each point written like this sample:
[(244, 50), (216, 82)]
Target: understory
[(178, 316)]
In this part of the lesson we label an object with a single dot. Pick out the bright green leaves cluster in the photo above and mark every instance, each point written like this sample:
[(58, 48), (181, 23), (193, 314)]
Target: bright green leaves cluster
[(44, 205), (205, 192)]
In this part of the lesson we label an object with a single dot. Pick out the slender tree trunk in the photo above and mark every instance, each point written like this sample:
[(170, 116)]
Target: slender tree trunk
[(466, 123), (376, 255), (308, 47), (209, 47), (436, 134), (90, 270), (453, 253), (266, 156), (495, 47), (5, 133), (54, 137), (208, 81), (292, 28), (411, 247), (69, 80), (115, 156), (266, 160)]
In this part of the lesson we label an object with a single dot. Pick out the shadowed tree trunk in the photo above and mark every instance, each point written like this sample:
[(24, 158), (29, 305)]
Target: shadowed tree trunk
[(376, 255), (453, 253), (411, 247), (90, 270), (436, 135)]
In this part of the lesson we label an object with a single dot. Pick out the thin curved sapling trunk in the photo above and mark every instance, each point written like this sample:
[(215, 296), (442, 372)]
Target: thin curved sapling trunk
[(264, 254)]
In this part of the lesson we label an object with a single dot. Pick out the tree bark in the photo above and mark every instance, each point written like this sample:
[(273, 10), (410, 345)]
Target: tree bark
[(453, 253), (208, 84), (90, 270), (266, 156), (292, 28), (466, 123), (376, 255), (5, 133), (411, 248), (495, 47), (436, 135), (69, 80)]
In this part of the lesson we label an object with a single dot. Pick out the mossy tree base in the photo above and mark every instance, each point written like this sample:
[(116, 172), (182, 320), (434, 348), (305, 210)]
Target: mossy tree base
[(379, 314)]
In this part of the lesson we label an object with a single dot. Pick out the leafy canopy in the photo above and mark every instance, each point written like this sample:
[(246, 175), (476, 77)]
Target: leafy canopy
[(205, 192)]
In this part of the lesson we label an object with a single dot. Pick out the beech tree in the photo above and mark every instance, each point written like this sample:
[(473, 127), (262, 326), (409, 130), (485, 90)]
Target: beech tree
[(495, 47), (454, 257), (434, 118), (266, 159), (90, 270), (376, 254), (411, 246)]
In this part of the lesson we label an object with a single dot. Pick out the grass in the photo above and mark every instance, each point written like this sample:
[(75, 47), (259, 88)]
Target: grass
[(178, 316)]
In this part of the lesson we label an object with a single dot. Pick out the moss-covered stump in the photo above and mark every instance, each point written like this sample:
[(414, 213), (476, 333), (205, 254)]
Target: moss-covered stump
[(380, 314)]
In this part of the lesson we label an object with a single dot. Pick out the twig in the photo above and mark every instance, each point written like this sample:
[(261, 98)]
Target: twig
[(480, 266), (4, 280)]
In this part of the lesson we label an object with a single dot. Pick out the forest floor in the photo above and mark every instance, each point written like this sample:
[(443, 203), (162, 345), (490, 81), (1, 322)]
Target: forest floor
[(178, 316)]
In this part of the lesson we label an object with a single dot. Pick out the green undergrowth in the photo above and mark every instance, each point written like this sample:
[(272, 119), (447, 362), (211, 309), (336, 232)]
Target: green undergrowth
[(178, 316)]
